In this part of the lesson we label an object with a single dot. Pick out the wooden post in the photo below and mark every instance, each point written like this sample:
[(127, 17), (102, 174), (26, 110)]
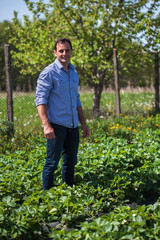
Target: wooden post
[(117, 88), (8, 82), (156, 82)]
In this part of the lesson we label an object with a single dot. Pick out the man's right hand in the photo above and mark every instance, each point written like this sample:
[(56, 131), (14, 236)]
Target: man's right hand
[(49, 132)]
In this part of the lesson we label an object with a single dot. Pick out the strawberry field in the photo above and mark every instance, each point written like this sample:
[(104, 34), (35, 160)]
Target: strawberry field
[(117, 181)]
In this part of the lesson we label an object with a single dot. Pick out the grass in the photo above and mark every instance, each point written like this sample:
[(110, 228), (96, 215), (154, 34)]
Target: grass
[(140, 103)]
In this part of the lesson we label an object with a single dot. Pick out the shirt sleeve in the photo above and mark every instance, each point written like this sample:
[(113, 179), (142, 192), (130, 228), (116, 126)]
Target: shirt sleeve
[(79, 104), (44, 86)]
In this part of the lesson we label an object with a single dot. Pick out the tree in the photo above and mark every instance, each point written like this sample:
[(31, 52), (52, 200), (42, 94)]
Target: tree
[(152, 34), (153, 38), (91, 25)]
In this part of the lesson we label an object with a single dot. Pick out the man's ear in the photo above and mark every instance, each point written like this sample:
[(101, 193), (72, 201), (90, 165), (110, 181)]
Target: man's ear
[(55, 53)]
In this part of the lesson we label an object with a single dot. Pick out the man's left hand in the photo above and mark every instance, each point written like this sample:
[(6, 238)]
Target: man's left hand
[(85, 131)]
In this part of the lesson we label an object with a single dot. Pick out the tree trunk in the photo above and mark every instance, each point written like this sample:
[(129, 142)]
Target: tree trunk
[(156, 82), (29, 86), (116, 77), (96, 99)]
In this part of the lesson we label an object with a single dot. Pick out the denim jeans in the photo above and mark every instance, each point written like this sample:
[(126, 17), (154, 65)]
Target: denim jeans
[(66, 143)]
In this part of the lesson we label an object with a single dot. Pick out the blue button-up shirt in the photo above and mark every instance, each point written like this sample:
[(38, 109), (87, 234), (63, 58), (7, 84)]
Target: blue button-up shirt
[(58, 90)]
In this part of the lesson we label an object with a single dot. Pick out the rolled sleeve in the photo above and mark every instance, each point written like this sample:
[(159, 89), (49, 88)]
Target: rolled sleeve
[(79, 101), (44, 86)]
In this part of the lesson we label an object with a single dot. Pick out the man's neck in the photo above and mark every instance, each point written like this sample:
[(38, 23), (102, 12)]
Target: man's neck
[(66, 66)]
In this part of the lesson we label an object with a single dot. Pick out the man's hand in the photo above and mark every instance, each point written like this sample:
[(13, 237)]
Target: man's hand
[(83, 122), (85, 131), (49, 132)]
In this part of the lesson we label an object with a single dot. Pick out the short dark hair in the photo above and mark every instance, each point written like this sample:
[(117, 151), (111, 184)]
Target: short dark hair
[(62, 40)]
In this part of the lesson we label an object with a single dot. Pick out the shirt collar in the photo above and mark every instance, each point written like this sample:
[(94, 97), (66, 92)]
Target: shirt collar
[(61, 66)]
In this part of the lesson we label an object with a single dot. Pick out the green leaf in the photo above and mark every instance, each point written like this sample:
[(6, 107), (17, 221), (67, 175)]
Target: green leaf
[(139, 219)]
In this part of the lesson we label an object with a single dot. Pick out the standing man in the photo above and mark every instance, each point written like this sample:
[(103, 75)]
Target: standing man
[(59, 108)]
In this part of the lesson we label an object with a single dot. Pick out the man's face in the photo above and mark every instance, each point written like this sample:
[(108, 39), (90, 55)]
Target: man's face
[(63, 52)]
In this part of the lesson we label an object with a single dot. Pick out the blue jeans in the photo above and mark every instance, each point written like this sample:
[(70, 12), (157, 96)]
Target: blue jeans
[(66, 143)]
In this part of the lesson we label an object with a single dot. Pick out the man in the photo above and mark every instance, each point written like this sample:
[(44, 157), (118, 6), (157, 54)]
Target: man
[(59, 107)]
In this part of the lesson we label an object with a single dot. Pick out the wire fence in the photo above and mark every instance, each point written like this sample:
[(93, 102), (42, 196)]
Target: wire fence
[(25, 116), (17, 95)]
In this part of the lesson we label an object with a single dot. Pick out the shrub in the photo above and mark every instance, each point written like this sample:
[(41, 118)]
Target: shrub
[(6, 128)]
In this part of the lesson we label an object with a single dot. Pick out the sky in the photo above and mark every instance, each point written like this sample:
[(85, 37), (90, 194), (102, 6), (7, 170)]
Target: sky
[(7, 8)]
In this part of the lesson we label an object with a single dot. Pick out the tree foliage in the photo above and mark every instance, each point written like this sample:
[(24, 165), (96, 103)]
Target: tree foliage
[(94, 27)]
